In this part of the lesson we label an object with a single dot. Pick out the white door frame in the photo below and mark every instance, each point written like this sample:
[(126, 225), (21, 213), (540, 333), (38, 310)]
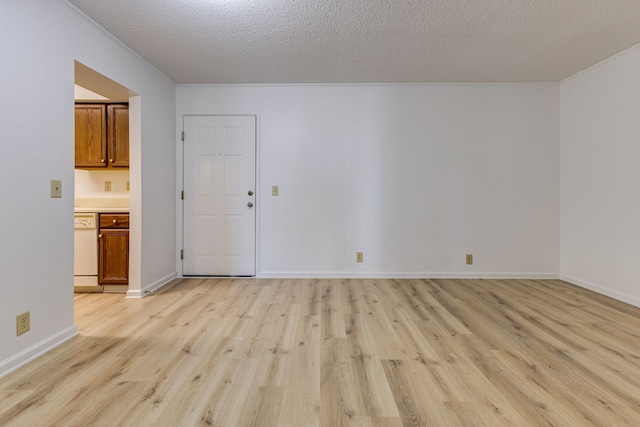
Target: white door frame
[(180, 185)]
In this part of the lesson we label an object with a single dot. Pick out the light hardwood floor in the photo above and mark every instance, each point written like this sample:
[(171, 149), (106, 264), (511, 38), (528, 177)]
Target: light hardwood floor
[(381, 353)]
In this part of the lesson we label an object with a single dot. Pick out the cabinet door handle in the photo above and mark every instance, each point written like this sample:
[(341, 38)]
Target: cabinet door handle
[(115, 221), (101, 160), (111, 160), (99, 236)]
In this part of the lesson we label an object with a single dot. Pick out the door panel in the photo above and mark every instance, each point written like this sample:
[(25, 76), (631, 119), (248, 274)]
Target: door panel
[(90, 136), (219, 172), (114, 257), (118, 135)]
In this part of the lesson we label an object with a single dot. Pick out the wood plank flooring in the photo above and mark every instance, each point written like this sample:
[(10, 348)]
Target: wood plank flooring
[(383, 353)]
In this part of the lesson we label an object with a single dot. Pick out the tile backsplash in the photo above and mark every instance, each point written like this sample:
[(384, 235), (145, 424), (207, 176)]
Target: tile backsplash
[(91, 183)]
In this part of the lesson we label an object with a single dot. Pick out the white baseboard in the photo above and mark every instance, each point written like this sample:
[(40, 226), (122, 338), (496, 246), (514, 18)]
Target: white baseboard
[(150, 288), (397, 275), (635, 301), (38, 349)]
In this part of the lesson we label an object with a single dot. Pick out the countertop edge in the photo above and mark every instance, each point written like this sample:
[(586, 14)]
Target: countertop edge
[(101, 210)]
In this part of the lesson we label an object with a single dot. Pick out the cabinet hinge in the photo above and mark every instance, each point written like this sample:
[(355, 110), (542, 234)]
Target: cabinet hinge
[(182, 195), (182, 136), (182, 254)]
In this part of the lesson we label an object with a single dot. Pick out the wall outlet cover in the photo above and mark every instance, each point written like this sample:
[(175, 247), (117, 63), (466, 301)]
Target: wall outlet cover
[(23, 323)]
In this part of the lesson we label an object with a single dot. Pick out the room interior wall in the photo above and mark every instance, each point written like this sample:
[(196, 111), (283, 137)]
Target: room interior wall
[(39, 40), (414, 176), (89, 183), (600, 134)]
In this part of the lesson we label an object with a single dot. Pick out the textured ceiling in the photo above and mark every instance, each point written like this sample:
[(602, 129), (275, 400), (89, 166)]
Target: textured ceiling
[(370, 41)]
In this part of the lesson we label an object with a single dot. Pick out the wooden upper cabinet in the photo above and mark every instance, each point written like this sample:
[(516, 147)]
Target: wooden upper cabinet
[(102, 135), (118, 135), (91, 136)]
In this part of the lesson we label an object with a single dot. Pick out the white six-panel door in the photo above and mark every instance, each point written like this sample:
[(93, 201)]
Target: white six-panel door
[(219, 231)]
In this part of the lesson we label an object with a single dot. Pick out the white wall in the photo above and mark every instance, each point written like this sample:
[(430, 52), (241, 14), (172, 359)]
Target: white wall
[(600, 146), (39, 41), (415, 176), (89, 183)]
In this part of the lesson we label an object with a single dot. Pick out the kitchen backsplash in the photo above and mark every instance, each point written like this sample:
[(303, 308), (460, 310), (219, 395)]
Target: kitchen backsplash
[(91, 183)]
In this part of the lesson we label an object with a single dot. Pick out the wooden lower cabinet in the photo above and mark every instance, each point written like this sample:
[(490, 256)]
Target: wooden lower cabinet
[(113, 249)]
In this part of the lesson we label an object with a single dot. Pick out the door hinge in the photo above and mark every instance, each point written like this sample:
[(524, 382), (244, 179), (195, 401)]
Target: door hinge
[(182, 195), (182, 254), (182, 136)]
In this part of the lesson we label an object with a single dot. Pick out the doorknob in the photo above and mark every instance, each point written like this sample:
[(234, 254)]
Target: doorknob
[(250, 204), (250, 193)]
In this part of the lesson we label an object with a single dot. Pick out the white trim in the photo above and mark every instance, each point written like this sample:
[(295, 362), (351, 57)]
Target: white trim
[(635, 301), (375, 84), (151, 288), (179, 189), (398, 275), (259, 198), (38, 349)]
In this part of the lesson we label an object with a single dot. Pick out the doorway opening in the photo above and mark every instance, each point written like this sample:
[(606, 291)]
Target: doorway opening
[(107, 184)]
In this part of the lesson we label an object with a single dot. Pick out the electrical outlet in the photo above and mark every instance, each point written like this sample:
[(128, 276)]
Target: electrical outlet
[(469, 259), (127, 186), (23, 323), (275, 191), (359, 257), (56, 189), (107, 186)]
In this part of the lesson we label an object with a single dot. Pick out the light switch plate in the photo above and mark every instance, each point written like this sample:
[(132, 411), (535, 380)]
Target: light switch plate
[(56, 189), (275, 191), (107, 186)]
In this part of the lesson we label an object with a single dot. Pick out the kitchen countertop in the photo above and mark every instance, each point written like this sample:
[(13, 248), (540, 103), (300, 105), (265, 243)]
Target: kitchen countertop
[(101, 204), (99, 209)]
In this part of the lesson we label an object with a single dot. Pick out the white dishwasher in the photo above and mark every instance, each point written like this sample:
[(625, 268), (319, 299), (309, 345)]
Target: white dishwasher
[(85, 249)]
